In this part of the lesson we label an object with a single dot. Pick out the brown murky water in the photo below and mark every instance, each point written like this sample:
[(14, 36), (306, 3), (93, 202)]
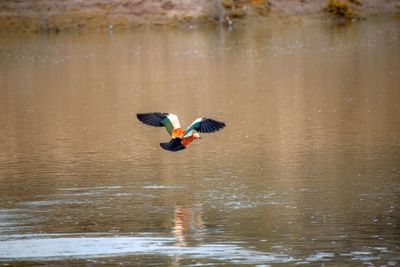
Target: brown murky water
[(306, 171)]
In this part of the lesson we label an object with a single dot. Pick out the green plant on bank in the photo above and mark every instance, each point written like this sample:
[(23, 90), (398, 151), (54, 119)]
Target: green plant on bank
[(356, 2), (233, 8), (236, 9), (341, 9), (262, 7), (398, 9)]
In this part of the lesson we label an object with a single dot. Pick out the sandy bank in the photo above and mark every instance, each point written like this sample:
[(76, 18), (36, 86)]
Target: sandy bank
[(62, 15)]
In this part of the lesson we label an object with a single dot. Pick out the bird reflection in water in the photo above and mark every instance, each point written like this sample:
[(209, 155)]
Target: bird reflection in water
[(188, 225)]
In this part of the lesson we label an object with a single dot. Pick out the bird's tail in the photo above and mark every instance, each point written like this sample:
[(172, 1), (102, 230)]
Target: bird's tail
[(173, 145)]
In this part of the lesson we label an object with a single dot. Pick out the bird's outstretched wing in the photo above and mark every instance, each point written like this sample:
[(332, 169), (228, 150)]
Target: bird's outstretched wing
[(173, 145), (159, 119), (204, 125)]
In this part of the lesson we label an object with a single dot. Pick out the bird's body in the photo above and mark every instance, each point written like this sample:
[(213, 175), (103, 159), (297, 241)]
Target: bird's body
[(180, 138)]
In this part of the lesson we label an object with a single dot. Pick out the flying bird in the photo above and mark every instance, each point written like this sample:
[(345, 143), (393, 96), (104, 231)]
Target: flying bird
[(180, 139)]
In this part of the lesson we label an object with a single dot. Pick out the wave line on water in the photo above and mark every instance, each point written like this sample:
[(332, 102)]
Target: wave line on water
[(60, 247)]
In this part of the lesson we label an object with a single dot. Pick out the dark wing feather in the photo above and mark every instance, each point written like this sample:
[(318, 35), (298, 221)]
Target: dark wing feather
[(152, 119), (209, 126), (173, 145)]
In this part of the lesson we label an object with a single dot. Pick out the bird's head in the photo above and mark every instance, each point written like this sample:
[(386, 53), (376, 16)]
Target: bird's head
[(196, 136)]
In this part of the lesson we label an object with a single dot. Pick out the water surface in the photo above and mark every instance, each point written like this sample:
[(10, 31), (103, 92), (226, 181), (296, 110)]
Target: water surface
[(306, 171)]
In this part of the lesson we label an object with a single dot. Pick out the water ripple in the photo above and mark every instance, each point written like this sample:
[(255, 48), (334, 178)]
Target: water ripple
[(49, 247)]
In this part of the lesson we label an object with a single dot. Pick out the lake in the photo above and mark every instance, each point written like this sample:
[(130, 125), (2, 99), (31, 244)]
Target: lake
[(306, 172)]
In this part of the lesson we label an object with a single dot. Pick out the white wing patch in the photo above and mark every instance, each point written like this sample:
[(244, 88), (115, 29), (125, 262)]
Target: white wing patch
[(174, 120), (189, 130)]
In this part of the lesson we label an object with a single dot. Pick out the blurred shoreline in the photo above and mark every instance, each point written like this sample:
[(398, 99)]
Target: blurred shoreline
[(46, 16)]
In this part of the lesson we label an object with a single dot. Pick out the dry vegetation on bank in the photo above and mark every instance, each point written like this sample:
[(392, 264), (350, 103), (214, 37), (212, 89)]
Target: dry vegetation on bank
[(34, 16)]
